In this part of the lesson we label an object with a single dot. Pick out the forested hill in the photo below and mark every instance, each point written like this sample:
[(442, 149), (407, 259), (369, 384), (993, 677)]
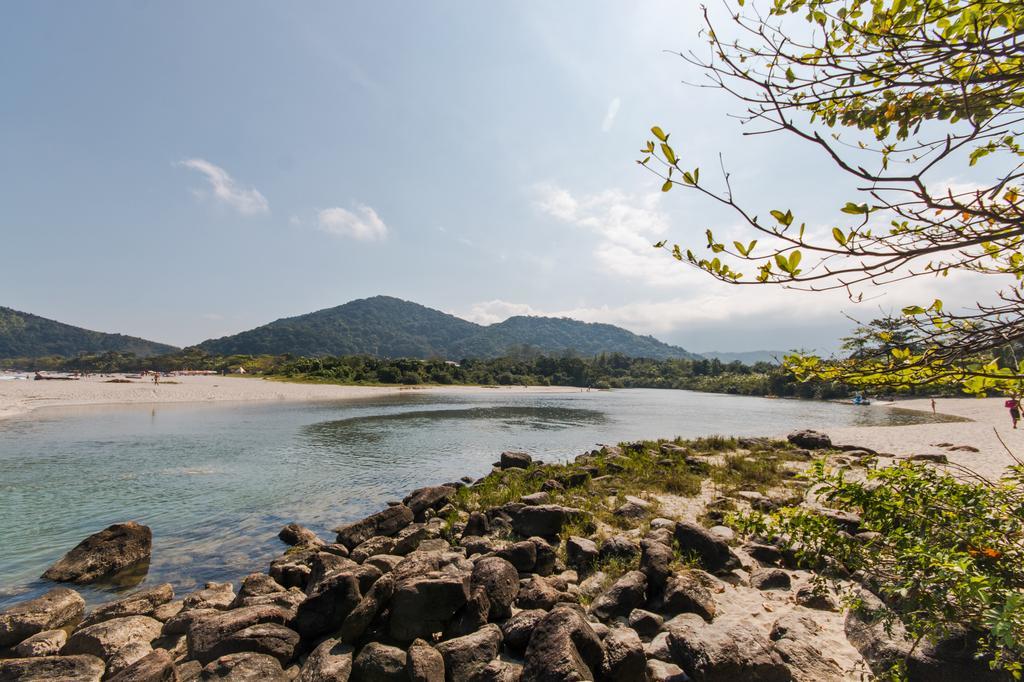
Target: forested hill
[(23, 335), (390, 327)]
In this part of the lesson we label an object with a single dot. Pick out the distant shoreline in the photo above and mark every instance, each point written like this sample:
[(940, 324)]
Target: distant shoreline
[(18, 398)]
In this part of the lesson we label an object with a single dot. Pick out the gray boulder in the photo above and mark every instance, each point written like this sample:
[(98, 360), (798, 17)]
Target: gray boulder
[(684, 593), (46, 643), (45, 668), (810, 439), (205, 636), (212, 596), (104, 553), (581, 553), (518, 629), (55, 609), (105, 639), (539, 593), (563, 647), (545, 520), (271, 639), (331, 661), (245, 667), (625, 594), (387, 522), (714, 653), (465, 656), (372, 603), (624, 659), (432, 497), (424, 604), (378, 662), (328, 605), (294, 534), (424, 663), (770, 579), (156, 666), (500, 580), (515, 460), (714, 554), (142, 603)]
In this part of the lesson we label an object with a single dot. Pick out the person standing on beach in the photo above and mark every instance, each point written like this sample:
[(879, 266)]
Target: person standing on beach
[(1014, 405), (933, 405)]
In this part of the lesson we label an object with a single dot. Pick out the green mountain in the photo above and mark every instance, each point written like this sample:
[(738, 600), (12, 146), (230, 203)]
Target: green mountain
[(23, 335), (391, 327)]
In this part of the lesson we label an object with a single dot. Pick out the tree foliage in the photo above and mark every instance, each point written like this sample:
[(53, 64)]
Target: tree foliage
[(900, 95), (945, 554)]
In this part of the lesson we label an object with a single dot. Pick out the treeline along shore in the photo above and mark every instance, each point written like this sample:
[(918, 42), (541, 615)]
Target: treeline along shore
[(628, 563), (524, 369)]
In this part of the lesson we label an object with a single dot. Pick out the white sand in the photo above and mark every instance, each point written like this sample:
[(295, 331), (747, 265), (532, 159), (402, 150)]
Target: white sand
[(988, 418), (19, 397)]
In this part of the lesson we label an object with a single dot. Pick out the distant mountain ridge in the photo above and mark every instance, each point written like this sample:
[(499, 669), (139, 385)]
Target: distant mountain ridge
[(23, 335), (749, 357), (391, 327)]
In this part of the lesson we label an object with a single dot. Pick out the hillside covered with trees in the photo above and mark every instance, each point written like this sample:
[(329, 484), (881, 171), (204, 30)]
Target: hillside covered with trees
[(389, 327), (31, 336)]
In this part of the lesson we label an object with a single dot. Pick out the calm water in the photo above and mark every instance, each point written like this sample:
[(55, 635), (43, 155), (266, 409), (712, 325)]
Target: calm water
[(217, 481)]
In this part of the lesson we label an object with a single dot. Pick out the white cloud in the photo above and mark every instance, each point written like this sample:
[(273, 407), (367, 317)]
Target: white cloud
[(609, 117), (224, 187), (363, 224), (627, 227)]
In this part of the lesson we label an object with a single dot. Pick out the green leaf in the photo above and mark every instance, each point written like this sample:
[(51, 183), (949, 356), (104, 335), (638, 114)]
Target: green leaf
[(855, 209), (912, 310), (794, 261), (659, 134), (667, 186), (670, 155), (781, 261), (838, 235)]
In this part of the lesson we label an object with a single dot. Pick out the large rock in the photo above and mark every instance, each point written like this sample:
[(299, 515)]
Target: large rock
[(684, 593), (624, 659), (545, 520), (538, 593), (655, 561), (328, 605), (271, 639), (45, 643), (520, 627), (46, 668), (500, 580), (156, 666), (465, 656), (110, 636), (245, 667), (725, 654), (142, 603), (581, 553), (206, 635), (515, 460), (380, 663), (212, 596), (104, 553), (522, 555), (55, 609), (294, 534), (424, 663), (713, 553), (387, 522), (372, 603), (563, 647), (625, 594), (812, 440), (424, 604), (793, 634), (432, 497), (329, 662)]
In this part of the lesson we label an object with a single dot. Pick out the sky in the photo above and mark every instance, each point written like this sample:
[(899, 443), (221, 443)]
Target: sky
[(182, 171)]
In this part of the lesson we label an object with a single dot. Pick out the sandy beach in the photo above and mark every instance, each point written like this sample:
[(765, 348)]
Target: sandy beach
[(20, 397), (987, 418)]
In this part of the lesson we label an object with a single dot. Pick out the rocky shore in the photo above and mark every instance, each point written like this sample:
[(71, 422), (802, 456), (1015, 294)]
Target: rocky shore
[(619, 566)]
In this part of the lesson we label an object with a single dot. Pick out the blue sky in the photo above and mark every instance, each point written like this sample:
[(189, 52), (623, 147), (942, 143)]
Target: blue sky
[(186, 170)]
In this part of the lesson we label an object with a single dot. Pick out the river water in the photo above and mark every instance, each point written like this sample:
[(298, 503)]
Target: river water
[(217, 481)]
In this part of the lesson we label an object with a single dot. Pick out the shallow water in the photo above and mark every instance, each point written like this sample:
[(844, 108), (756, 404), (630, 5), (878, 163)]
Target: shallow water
[(217, 481)]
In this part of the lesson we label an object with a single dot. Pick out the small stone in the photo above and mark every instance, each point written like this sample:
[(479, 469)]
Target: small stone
[(46, 643), (770, 579), (515, 460)]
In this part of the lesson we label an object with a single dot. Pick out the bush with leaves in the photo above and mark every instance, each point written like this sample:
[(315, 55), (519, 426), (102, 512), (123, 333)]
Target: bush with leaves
[(948, 556)]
